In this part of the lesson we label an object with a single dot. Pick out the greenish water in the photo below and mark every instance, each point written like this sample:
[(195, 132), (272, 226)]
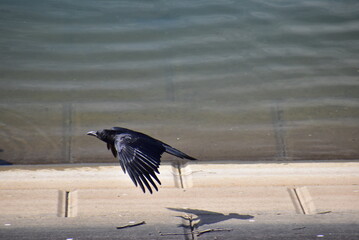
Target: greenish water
[(220, 80)]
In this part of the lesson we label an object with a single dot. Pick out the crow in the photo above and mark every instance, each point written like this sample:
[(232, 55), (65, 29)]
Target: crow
[(139, 154)]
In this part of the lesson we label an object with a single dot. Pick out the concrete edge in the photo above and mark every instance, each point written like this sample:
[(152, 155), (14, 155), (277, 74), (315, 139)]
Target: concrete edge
[(182, 174), (97, 189)]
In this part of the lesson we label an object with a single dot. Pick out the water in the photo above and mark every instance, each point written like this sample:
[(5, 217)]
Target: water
[(221, 80)]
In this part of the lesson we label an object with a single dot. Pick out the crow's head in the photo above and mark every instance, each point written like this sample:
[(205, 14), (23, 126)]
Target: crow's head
[(105, 135)]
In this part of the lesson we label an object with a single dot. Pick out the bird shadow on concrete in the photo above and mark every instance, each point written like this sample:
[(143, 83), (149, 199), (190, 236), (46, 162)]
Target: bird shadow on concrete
[(203, 217)]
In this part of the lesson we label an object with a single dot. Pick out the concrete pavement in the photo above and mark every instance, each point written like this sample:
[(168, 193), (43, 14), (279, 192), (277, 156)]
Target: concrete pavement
[(327, 226), (226, 200)]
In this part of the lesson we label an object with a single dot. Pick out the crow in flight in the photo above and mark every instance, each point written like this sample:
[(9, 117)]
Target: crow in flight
[(138, 153)]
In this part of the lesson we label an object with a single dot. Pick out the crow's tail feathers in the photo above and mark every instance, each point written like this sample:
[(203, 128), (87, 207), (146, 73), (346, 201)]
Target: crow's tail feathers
[(177, 152)]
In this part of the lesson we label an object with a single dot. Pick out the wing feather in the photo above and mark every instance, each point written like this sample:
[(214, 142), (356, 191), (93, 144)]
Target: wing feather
[(148, 173), (141, 179), (132, 176), (147, 158), (140, 158), (146, 162)]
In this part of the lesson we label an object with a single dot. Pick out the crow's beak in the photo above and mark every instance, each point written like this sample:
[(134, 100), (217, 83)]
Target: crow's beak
[(92, 133)]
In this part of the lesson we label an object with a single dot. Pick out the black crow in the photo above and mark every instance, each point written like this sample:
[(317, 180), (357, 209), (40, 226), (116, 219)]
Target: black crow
[(138, 153)]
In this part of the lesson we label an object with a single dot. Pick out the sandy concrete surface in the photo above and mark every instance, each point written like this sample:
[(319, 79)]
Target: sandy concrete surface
[(226, 200)]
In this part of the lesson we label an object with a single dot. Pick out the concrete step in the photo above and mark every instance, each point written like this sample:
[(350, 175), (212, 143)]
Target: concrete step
[(223, 189)]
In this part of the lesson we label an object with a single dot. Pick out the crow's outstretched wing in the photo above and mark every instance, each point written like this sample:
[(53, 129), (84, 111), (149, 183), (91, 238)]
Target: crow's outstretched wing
[(140, 158), (167, 148)]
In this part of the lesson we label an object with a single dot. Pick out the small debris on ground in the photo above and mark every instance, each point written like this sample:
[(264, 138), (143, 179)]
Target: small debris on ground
[(213, 230), (132, 224), (325, 212), (300, 228)]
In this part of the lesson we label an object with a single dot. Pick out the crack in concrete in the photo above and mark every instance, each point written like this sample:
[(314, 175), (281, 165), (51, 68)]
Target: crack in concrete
[(67, 196), (67, 132), (279, 131), (182, 174), (192, 227), (302, 200), (299, 201), (67, 204), (298, 205)]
